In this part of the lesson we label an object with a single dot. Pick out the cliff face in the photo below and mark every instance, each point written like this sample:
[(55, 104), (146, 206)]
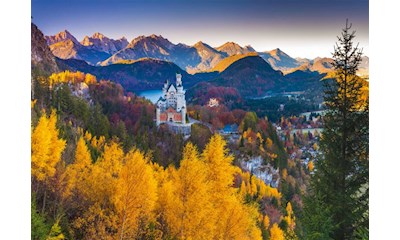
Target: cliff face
[(42, 60)]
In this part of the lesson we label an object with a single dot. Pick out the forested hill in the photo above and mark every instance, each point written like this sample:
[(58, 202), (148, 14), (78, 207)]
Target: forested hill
[(137, 75)]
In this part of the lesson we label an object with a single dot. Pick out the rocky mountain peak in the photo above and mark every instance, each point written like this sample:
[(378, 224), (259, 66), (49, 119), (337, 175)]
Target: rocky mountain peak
[(100, 36), (61, 36)]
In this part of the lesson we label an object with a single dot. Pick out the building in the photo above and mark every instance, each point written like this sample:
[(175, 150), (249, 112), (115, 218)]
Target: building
[(213, 102), (171, 107), (230, 129)]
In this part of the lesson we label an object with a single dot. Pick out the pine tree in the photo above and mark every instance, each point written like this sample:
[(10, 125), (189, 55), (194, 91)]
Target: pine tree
[(341, 175)]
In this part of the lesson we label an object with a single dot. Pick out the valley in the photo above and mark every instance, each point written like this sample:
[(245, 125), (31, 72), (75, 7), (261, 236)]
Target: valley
[(126, 136)]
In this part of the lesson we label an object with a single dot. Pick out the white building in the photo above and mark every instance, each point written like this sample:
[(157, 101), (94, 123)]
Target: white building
[(213, 102), (171, 107)]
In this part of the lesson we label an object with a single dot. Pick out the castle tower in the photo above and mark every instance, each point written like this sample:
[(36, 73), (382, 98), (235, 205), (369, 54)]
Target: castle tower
[(164, 89), (158, 115), (183, 112), (178, 79), (180, 93)]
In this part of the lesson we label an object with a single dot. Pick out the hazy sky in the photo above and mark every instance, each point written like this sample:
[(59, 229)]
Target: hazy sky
[(301, 28)]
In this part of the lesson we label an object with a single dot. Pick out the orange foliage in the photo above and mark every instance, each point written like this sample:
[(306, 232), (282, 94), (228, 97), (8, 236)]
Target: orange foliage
[(71, 77)]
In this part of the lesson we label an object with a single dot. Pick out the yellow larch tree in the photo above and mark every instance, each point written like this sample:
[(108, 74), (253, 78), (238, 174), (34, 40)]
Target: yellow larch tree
[(79, 169), (191, 215), (99, 219), (46, 147), (290, 219), (276, 233), (235, 219), (310, 166), (219, 165), (266, 222), (90, 79), (112, 158), (166, 199), (136, 195), (253, 185), (243, 190)]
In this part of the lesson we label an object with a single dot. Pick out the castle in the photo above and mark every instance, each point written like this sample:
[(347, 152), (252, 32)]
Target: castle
[(171, 107)]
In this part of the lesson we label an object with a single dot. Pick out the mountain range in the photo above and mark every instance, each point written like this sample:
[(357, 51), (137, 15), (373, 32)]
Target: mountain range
[(228, 68), (201, 57)]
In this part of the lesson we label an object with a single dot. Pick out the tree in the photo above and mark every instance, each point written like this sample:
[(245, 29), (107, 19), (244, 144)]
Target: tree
[(190, 214), (39, 228), (276, 233), (341, 175), (79, 169), (249, 121), (235, 219), (46, 146), (55, 232), (135, 196)]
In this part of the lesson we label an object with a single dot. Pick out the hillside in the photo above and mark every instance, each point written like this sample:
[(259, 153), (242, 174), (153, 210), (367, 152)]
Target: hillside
[(226, 62), (251, 75), (209, 57), (142, 74), (42, 60)]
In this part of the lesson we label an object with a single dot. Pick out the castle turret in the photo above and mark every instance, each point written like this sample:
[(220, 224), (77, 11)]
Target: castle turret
[(166, 83), (183, 112), (158, 115), (178, 80)]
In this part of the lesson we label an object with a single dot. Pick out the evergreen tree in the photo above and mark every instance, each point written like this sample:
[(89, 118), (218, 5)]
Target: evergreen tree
[(341, 176)]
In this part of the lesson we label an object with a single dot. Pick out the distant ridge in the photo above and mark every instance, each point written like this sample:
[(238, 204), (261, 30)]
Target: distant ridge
[(201, 57), (226, 62)]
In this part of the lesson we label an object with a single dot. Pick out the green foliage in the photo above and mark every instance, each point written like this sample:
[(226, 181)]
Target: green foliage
[(39, 227), (269, 107), (281, 160), (98, 122), (361, 233), (249, 121), (317, 219), (200, 135), (55, 232), (340, 183)]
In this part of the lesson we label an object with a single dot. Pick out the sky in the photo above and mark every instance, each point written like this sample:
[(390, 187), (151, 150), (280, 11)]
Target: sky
[(301, 28)]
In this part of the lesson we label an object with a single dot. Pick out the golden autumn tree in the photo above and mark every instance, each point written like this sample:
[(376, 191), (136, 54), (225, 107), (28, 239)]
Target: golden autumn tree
[(90, 79), (235, 219), (189, 211), (166, 198), (99, 219), (276, 233), (46, 148), (219, 165), (310, 166), (135, 196), (290, 218), (266, 222), (79, 169)]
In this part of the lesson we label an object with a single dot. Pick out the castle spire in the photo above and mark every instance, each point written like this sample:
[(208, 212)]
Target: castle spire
[(178, 79)]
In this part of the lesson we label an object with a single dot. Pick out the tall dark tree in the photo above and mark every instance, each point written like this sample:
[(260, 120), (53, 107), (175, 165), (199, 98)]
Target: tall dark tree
[(340, 183)]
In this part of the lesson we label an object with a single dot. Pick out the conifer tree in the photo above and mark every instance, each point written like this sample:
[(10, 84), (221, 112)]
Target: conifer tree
[(341, 175)]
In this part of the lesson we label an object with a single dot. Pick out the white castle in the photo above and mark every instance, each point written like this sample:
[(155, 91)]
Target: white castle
[(171, 107)]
